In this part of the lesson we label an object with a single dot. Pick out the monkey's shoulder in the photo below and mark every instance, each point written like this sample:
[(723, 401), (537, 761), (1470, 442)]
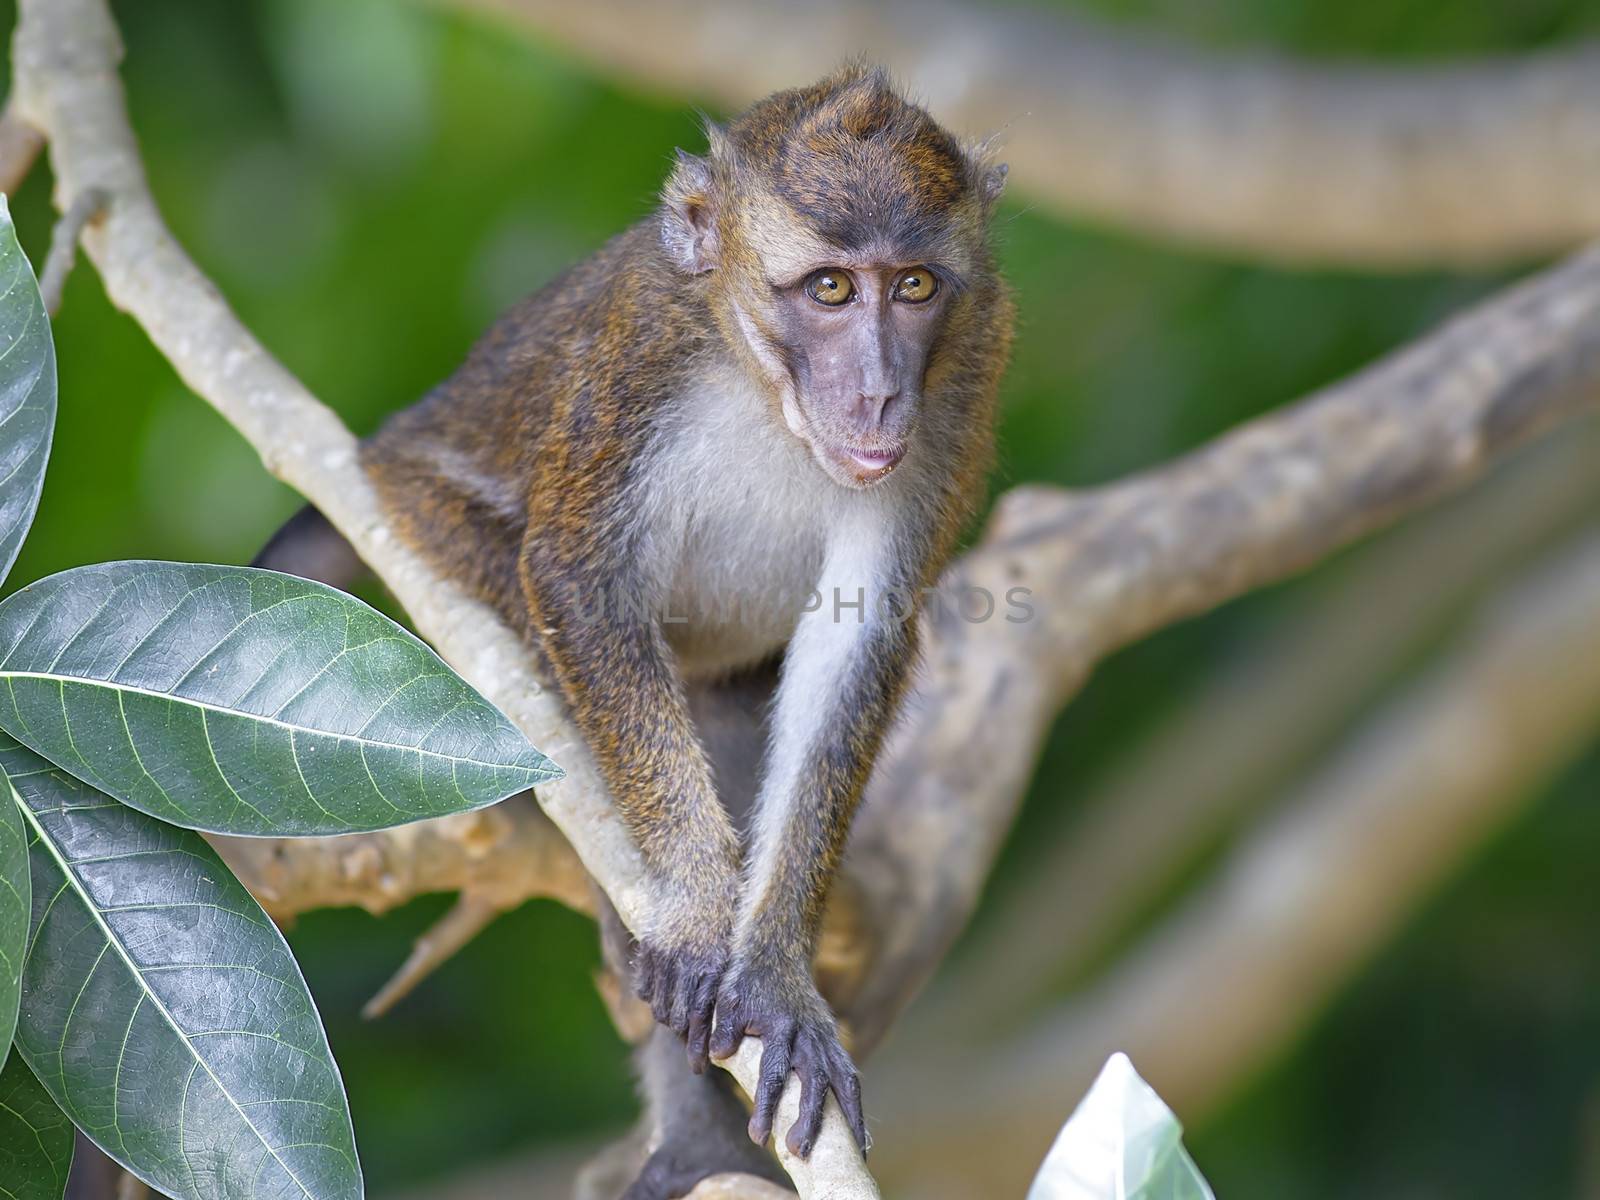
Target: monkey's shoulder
[(620, 328)]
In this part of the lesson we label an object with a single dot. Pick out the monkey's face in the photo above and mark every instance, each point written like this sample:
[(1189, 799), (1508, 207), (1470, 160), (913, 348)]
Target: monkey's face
[(853, 342), (843, 229)]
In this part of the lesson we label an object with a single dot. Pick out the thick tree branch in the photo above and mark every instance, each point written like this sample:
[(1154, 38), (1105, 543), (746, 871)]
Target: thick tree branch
[(1257, 155), (1307, 896), (66, 55), (1249, 728)]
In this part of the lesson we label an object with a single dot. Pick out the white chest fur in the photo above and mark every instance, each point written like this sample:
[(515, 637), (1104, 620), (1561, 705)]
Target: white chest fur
[(740, 521)]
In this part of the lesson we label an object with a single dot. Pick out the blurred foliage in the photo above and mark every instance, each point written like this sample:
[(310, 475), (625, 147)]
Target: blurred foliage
[(370, 183), (1402, 29)]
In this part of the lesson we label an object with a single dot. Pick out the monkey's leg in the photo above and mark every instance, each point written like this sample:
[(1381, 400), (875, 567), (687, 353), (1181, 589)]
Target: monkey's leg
[(730, 715), (308, 546), (695, 1123), (702, 1124)]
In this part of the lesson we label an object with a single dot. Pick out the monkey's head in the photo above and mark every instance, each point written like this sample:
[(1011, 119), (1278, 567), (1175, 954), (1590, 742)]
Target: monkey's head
[(842, 237)]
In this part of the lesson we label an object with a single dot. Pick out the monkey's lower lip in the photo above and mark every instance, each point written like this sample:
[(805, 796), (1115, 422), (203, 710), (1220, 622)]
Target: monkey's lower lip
[(874, 460)]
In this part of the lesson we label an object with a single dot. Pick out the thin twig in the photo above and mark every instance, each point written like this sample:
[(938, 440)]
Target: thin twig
[(467, 918), (86, 207), (509, 853)]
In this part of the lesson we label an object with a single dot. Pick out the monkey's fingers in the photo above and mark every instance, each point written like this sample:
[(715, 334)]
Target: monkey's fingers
[(652, 980), (730, 1027), (775, 1060), (680, 986), (701, 1007), (813, 1094), (680, 993), (823, 1066), (847, 1087)]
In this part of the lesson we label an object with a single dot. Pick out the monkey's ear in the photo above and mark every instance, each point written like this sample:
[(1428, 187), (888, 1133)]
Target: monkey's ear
[(993, 183), (689, 215), (988, 176)]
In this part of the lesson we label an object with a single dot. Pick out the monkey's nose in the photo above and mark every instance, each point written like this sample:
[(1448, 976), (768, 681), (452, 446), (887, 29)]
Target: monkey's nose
[(872, 408)]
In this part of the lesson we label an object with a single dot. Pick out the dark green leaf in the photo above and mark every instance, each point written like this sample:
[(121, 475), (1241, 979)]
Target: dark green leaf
[(35, 1138), (243, 701), (14, 907), (163, 1011), (27, 393)]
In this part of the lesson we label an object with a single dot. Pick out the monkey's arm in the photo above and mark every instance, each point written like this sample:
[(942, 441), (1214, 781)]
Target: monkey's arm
[(842, 680), (588, 605)]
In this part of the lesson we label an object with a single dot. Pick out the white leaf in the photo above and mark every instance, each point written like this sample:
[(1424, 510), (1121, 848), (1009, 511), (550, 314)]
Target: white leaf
[(1122, 1143)]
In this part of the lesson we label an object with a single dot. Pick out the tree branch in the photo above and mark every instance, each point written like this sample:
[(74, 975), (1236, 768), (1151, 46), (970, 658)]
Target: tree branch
[(66, 54), (1229, 979), (503, 855), (1356, 164), (1248, 728)]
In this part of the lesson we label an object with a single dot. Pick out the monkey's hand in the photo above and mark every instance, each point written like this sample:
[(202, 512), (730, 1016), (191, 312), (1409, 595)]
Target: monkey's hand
[(781, 1006), (678, 966)]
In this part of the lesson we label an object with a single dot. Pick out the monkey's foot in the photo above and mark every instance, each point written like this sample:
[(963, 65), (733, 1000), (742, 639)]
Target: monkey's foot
[(797, 1033), (678, 1164), (680, 986)]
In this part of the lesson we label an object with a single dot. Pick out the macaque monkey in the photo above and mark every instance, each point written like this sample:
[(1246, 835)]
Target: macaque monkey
[(747, 432)]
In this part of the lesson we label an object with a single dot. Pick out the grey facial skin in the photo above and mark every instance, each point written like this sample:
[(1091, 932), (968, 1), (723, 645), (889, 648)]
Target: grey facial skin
[(856, 344)]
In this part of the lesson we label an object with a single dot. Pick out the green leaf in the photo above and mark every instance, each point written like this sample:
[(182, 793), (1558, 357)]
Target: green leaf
[(242, 701), (15, 903), (1121, 1143), (35, 1138), (163, 1011), (27, 393)]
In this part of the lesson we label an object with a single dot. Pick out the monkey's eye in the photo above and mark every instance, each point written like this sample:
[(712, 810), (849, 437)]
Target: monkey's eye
[(832, 288), (916, 286)]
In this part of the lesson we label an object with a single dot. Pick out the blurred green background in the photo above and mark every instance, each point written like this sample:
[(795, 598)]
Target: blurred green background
[(370, 183)]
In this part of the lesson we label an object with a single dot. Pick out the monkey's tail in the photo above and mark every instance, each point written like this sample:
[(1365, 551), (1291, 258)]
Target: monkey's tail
[(307, 545)]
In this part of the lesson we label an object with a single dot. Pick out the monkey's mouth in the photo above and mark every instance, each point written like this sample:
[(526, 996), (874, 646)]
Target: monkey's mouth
[(869, 463)]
